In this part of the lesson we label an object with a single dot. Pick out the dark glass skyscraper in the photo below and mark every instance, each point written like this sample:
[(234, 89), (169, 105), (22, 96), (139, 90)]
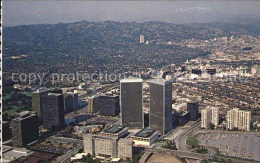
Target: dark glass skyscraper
[(53, 111), (161, 105), (131, 100), (36, 101), (70, 101), (109, 104), (25, 128), (193, 108)]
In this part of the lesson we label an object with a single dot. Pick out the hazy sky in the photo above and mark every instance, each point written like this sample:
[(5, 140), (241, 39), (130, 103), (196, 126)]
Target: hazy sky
[(40, 12)]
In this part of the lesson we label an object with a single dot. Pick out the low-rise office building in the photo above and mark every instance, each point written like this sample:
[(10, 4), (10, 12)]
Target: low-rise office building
[(105, 146), (145, 137), (116, 131)]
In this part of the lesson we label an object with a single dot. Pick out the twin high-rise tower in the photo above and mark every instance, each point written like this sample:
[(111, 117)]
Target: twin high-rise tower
[(131, 93), (160, 104)]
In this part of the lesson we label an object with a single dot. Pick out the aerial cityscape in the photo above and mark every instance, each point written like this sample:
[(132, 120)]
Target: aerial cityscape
[(130, 89)]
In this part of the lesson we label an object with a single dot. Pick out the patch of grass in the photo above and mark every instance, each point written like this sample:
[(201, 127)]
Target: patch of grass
[(8, 96), (192, 141), (12, 111)]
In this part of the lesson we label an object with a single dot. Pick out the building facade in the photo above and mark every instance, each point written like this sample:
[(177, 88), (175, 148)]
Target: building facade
[(161, 105), (53, 111), (108, 146), (239, 119), (193, 108), (25, 128), (93, 104), (145, 137), (209, 115), (244, 120), (131, 100), (206, 118), (36, 101), (215, 116), (109, 104), (70, 102), (141, 39)]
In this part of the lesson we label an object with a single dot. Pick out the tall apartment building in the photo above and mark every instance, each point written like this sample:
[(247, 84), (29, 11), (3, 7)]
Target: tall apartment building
[(206, 118), (25, 128), (131, 100), (239, 119), (244, 120), (141, 39), (231, 120), (215, 115), (161, 105), (53, 111), (36, 101), (93, 104), (193, 109), (209, 115), (70, 101), (255, 70), (109, 104)]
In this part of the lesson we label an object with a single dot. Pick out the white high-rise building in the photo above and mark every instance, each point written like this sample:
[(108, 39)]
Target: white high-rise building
[(255, 70), (239, 119), (209, 115), (230, 119), (206, 117), (141, 39), (244, 120), (215, 116)]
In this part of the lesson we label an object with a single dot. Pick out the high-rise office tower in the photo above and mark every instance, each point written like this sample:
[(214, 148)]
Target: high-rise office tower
[(193, 108), (141, 39), (70, 102), (239, 119), (131, 100), (93, 104), (161, 105), (53, 111), (36, 101), (109, 104), (25, 128)]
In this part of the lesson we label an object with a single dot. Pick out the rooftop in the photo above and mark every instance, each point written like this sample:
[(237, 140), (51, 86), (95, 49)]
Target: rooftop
[(114, 129), (24, 114), (54, 94), (41, 90), (159, 81), (145, 133), (131, 80), (108, 94)]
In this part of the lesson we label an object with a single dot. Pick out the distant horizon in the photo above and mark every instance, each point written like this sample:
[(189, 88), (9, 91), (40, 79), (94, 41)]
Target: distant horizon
[(154, 21), (17, 13)]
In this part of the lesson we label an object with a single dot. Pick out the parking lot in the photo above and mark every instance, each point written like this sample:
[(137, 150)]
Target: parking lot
[(239, 145)]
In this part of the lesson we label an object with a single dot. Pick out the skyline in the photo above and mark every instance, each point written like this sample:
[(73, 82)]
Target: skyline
[(28, 12)]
